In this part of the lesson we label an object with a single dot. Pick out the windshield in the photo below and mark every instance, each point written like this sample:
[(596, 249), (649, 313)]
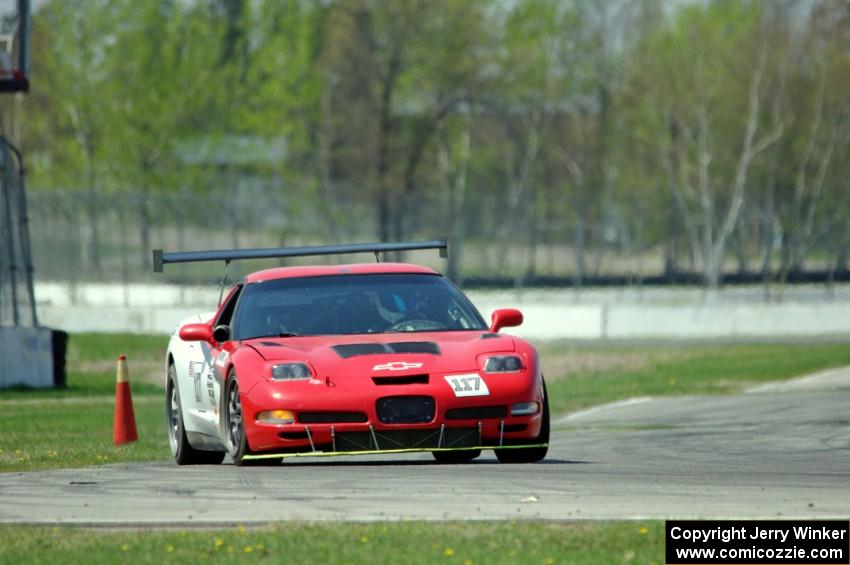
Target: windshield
[(353, 304)]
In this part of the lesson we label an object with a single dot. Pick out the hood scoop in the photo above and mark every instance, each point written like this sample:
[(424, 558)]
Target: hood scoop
[(354, 349)]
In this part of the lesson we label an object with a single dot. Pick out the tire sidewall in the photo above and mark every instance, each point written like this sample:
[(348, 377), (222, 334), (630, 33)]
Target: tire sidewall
[(543, 437), (178, 446), (239, 451)]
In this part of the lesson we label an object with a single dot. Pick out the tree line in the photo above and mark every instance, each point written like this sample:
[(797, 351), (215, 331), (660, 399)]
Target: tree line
[(548, 137)]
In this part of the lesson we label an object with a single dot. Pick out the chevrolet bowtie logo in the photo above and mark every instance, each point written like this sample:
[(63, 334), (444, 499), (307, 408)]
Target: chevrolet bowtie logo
[(396, 366)]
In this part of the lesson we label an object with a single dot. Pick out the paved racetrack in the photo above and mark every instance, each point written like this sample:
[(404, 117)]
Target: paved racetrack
[(777, 451)]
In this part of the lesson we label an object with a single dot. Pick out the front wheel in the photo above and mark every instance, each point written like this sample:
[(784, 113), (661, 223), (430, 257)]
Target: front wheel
[(234, 427), (183, 452), (530, 454)]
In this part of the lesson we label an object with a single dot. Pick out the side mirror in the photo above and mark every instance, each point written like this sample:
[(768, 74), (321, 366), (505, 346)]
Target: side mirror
[(221, 333), (505, 318), (196, 332)]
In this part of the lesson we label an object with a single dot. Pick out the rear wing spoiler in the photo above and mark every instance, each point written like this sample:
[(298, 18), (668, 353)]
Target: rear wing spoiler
[(160, 258)]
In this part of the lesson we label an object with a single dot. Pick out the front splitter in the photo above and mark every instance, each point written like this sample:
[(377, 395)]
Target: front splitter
[(386, 451)]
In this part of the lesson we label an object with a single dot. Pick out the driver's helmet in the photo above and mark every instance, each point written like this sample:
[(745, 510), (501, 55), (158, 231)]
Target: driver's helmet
[(419, 304)]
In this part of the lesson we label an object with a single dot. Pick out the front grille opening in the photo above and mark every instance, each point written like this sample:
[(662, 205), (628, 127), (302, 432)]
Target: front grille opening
[(477, 413), (293, 435), (332, 417), (406, 409), (404, 380), (515, 428)]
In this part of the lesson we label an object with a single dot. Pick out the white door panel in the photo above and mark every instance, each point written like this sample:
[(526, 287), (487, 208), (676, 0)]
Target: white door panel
[(204, 410), (193, 363)]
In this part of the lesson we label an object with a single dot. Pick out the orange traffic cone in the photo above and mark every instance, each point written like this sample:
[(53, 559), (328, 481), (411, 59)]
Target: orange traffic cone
[(124, 428)]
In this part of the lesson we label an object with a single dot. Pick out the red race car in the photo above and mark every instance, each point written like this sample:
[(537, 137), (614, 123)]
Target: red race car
[(350, 359)]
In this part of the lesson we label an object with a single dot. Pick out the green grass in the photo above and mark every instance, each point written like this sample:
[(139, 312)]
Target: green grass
[(691, 369), (56, 433), (99, 347), (80, 384), (399, 542), (73, 427)]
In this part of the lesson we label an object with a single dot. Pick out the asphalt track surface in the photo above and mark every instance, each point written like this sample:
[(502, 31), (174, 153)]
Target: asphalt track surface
[(780, 451)]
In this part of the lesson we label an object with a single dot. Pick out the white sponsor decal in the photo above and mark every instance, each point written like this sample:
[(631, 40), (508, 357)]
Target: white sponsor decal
[(222, 358), (195, 375), (468, 385), (396, 366)]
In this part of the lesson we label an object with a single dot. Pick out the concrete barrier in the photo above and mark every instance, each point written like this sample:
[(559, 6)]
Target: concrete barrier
[(547, 321), (726, 320), (115, 319), (542, 321)]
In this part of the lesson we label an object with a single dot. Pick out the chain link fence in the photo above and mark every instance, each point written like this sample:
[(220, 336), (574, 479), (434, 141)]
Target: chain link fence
[(82, 236)]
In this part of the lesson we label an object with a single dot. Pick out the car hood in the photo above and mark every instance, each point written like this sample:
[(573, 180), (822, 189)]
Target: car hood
[(390, 354)]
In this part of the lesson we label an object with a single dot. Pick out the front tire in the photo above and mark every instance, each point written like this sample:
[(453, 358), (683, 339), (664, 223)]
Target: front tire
[(531, 454), (181, 450), (234, 426)]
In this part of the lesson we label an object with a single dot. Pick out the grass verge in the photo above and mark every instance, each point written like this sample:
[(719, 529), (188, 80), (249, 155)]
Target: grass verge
[(686, 369), (399, 542), (98, 347), (72, 427), (57, 434)]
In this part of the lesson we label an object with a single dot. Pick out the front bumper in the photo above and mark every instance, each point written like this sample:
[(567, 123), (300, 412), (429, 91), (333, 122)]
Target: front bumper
[(456, 423)]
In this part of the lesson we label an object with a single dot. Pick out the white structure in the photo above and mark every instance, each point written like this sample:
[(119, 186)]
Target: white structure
[(26, 349), (26, 357)]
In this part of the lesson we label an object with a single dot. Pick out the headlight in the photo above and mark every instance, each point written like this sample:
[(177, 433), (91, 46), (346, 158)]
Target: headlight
[(291, 372), (503, 364)]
